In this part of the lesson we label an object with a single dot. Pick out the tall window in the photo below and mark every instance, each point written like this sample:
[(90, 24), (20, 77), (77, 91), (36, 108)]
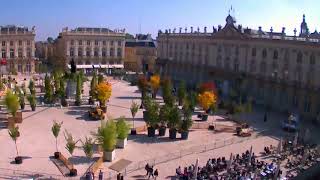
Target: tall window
[(28, 42), (119, 43), (3, 53), (19, 67), (88, 42), (11, 53), (96, 52), (219, 63), (253, 66), (3, 43), (72, 42), (307, 105), (20, 43), (312, 59), (275, 54), (254, 52), (104, 52), (71, 52), (88, 52), (111, 52), (28, 67), (119, 52), (80, 42), (29, 52), (111, 43), (96, 42), (264, 53), (80, 52), (104, 43), (299, 58), (11, 43), (20, 53)]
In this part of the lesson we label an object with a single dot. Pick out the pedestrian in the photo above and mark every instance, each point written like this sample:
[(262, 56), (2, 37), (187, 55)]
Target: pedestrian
[(265, 117), (100, 175), (156, 173), (147, 167), (92, 174), (119, 176), (150, 172)]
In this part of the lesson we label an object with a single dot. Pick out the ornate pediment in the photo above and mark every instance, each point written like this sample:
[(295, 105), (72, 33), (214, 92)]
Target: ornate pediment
[(229, 32)]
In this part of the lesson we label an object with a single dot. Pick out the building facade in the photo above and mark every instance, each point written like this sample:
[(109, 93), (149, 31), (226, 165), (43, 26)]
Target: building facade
[(17, 49), (90, 48), (140, 54), (277, 70)]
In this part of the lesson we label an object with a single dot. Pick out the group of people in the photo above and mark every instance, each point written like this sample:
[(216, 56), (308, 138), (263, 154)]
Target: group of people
[(151, 172), (90, 175)]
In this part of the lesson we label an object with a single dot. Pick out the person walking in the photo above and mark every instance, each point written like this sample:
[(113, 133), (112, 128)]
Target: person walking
[(156, 173), (150, 172), (100, 175), (147, 167)]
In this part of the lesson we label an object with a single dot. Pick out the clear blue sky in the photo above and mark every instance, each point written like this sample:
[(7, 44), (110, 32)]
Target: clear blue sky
[(50, 16)]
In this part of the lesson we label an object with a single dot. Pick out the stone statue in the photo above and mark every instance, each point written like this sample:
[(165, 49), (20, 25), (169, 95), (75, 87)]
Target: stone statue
[(205, 29), (185, 30), (198, 30), (73, 66), (191, 29), (180, 29), (174, 30)]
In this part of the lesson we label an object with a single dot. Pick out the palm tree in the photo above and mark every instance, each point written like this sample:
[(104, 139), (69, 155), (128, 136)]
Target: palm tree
[(55, 131), (14, 134)]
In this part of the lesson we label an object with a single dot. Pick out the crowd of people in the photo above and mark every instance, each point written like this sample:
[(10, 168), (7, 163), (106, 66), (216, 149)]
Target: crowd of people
[(150, 172)]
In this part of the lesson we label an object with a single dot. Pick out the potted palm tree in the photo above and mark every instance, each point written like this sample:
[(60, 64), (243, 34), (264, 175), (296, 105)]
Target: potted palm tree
[(56, 127), (87, 147), (151, 116), (173, 122), (134, 109), (21, 100), (70, 146), (186, 123), (32, 100), (122, 132), (14, 134), (106, 136), (163, 118)]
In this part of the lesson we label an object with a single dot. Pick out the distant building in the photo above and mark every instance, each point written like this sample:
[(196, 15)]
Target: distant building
[(140, 54), (277, 70), (44, 50), (98, 48), (17, 49)]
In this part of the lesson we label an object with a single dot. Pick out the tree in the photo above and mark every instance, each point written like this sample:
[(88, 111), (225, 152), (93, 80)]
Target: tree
[(87, 147), (143, 85), (71, 143), (100, 78), (122, 128), (174, 118), (152, 110), (155, 84), (206, 99), (134, 109), (32, 101), (12, 102), (164, 114), (181, 92), (56, 82), (48, 96), (31, 87), (106, 135), (56, 127), (168, 98), (62, 93), (103, 93), (14, 134), (50, 40), (21, 99), (78, 91), (93, 85)]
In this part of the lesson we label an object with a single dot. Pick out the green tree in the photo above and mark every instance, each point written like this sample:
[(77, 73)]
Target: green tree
[(152, 110), (122, 128), (21, 99), (100, 78), (14, 134), (174, 119), (32, 87), (134, 109), (106, 135), (48, 96), (12, 102), (56, 127), (93, 84), (87, 147), (32, 101), (56, 82), (78, 91)]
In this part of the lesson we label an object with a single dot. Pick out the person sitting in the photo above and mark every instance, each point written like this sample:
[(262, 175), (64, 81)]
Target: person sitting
[(178, 171)]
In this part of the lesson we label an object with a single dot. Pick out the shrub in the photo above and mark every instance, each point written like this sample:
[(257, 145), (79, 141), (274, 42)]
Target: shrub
[(155, 83), (87, 147), (32, 100), (174, 118), (71, 143), (12, 102), (103, 92), (107, 135), (152, 110), (206, 99), (122, 128), (56, 127)]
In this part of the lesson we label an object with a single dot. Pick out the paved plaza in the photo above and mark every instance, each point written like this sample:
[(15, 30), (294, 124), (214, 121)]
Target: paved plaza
[(37, 143)]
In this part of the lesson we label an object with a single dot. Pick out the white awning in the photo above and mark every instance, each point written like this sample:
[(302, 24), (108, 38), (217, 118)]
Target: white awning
[(116, 66), (90, 66)]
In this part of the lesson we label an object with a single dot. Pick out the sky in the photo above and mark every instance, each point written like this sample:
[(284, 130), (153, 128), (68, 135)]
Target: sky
[(148, 16)]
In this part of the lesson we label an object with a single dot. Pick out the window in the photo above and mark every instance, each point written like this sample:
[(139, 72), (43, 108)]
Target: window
[(3, 43), (253, 66), (275, 54), (119, 52), (119, 43), (28, 67), (104, 53), (111, 43), (11, 53), (264, 53), (19, 67), (227, 63), (219, 49), (263, 67), (11, 43), (88, 43), (104, 43), (3, 53), (299, 58), (72, 42), (20, 43), (254, 52), (28, 52), (20, 53), (71, 52), (111, 52), (219, 63), (312, 59), (237, 50), (28, 42), (96, 42), (96, 52), (187, 46), (88, 52), (80, 42), (80, 52)]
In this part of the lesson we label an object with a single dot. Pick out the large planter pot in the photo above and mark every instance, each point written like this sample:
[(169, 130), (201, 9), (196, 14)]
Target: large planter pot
[(57, 155), (73, 172), (22, 106), (172, 133), (121, 143), (109, 155), (18, 160), (184, 135), (162, 131), (204, 117), (33, 108), (133, 131), (151, 132)]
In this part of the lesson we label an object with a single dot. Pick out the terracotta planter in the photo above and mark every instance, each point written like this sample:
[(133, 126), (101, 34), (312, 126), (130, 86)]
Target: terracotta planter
[(121, 143), (109, 155)]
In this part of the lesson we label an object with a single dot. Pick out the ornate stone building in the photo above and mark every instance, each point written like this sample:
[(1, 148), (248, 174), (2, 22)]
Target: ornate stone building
[(99, 48), (17, 49), (140, 54), (276, 69)]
